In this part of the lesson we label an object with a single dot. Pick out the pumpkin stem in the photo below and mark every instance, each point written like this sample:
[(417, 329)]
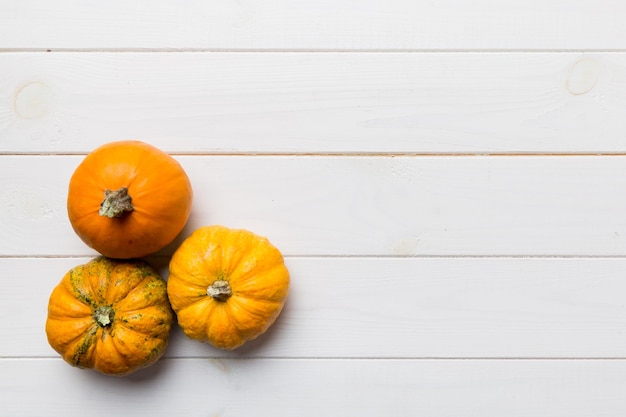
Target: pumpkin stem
[(220, 290), (116, 203), (104, 316)]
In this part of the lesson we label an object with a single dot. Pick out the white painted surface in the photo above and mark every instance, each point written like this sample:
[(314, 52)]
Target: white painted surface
[(450, 199), (320, 25), (395, 308), (361, 205), (315, 102), (338, 387)]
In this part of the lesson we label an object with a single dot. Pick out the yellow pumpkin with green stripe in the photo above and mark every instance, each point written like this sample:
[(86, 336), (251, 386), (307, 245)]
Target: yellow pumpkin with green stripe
[(110, 315), (227, 286)]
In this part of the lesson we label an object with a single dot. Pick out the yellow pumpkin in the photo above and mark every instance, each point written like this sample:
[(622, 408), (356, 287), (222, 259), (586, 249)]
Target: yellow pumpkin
[(110, 315), (227, 286)]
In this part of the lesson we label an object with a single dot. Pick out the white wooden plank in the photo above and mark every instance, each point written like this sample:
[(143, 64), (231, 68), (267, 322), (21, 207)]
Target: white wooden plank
[(388, 308), (315, 103), (325, 25), (389, 206), (229, 388)]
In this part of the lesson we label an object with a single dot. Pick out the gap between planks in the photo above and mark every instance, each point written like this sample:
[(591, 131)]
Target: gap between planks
[(319, 50), (358, 358), (321, 257), (353, 154)]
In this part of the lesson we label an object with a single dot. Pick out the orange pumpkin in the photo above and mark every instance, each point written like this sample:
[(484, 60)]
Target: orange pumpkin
[(110, 315), (226, 286), (128, 199)]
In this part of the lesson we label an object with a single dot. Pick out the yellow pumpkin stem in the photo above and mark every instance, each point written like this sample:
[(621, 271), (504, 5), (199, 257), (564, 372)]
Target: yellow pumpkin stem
[(116, 203), (220, 290)]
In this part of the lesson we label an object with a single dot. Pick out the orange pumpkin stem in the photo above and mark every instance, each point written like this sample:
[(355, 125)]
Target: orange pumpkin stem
[(220, 290), (116, 203)]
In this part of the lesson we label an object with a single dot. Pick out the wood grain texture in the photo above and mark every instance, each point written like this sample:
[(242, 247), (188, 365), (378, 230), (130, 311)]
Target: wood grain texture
[(228, 388), (446, 180), (471, 103), (389, 308), (301, 25), (347, 206)]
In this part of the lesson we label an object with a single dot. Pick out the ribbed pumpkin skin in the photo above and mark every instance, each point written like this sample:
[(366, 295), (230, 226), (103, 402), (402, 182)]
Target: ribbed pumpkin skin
[(139, 327), (253, 268), (161, 196)]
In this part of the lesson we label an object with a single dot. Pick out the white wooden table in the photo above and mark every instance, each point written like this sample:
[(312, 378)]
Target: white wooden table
[(447, 181)]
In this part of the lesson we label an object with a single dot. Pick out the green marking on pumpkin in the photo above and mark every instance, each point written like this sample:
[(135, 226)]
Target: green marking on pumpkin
[(78, 358), (145, 270), (76, 277), (154, 353)]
